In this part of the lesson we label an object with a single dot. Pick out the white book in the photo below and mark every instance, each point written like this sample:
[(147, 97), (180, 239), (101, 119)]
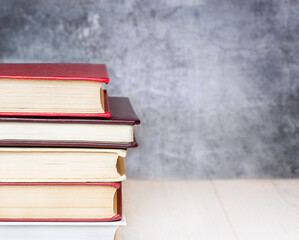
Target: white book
[(59, 230)]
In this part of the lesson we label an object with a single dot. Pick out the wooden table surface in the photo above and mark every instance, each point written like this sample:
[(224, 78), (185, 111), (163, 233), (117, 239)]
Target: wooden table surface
[(221, 209)]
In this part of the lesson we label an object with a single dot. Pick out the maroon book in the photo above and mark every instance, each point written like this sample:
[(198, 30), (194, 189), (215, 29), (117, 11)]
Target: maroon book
[(115, 132)]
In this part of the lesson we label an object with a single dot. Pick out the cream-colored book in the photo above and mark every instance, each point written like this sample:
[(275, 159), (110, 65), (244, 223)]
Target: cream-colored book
[(60, 202), (29, 164), (51, 96)]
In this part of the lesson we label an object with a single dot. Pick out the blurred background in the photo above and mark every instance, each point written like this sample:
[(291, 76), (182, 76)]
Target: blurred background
[(214, 82)]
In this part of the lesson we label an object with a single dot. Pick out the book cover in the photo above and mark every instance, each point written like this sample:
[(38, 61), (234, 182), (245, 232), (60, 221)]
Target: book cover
[(60, 230), (55, 71)]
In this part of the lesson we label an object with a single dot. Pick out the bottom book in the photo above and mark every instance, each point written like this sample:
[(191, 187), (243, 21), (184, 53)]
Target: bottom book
[(60, 230)]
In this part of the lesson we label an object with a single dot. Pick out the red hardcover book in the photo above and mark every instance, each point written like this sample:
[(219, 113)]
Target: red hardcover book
[(115, 132), (53, 89), (60, 202)]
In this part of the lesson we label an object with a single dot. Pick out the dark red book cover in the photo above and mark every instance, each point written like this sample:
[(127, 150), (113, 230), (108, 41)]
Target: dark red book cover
[(122, 113), (116, 217), (56, 71)]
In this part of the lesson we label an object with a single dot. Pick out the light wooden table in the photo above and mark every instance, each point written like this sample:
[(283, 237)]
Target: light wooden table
[(222, 209)]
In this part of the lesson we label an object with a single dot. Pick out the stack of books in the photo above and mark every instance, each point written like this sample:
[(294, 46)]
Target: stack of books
[(62, 147)]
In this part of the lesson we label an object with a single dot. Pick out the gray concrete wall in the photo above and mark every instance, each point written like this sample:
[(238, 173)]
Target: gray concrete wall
[(214, 82)]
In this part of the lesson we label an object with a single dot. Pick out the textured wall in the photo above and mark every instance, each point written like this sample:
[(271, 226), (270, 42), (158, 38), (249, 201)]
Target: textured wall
[(215, 83)]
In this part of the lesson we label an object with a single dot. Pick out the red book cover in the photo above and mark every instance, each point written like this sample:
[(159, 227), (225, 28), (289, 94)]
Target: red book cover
[(116, 217), (56, 71)]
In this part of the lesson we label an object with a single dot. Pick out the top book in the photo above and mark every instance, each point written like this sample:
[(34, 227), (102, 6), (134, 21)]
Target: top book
[(53, 89)]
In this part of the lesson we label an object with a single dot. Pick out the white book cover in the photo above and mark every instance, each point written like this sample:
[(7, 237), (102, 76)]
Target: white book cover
[(60, 230)]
